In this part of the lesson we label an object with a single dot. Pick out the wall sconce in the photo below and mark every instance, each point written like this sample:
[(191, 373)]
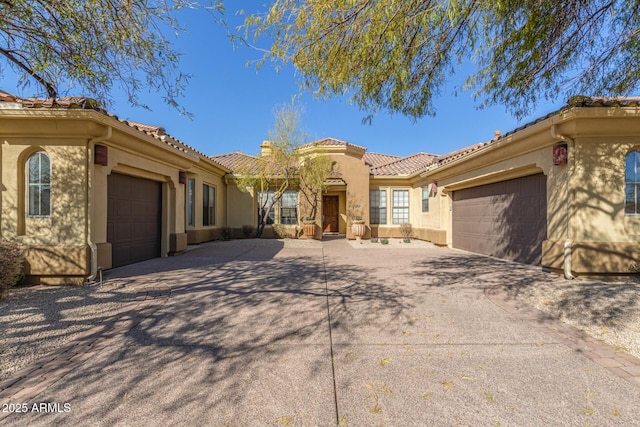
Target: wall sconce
[(560, 154), (100, 155)]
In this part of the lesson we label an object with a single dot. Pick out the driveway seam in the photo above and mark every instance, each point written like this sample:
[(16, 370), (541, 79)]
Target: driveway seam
[(622, 365), (333, 366), (26, 384)]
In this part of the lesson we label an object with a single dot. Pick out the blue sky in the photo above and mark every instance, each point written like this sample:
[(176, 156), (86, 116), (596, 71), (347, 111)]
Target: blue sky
[(233, 104)]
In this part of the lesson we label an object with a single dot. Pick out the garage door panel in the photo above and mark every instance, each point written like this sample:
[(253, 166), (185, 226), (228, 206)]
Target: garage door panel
[(133, 218), (505, 219)]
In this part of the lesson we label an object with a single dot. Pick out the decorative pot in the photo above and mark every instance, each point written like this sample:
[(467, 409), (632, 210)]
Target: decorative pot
[(309, 229), (358, 229)]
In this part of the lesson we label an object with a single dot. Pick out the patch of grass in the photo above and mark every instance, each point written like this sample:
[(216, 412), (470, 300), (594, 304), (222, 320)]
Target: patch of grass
[(488, 396), (376, 409), (285, 421), (588, 411), (427, 395), (385, 362), (448, 385)]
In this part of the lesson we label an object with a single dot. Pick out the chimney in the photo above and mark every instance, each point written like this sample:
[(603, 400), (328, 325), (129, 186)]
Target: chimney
[(265, 148), (496, 135)]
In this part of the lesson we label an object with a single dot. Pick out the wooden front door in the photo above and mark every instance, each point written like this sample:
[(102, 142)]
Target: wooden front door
[(330, 214)]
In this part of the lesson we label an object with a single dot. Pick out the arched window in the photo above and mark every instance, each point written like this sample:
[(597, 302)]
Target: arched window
[(632, 184), (39, 184)]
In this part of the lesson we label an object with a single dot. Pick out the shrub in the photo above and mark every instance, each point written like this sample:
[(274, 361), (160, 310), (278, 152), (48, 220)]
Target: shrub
[(226, 233), (374, 240), (406, 230), (11, 260), (280, 231), (248, 231), (384, 241)]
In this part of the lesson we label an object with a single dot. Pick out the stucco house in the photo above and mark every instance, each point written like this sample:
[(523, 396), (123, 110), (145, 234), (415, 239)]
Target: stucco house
[(85, 190)]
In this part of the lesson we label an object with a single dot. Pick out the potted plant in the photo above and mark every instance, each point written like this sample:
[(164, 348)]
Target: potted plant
[(309, 227), (358, 228)]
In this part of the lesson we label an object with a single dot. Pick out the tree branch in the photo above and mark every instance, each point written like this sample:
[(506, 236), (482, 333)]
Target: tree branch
[(50, 88)]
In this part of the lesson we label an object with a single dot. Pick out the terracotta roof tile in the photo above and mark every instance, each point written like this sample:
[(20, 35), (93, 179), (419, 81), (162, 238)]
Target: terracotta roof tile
[(77, 102), (449, 157), (235, 161), (158, 130), (378, 159), (333, 142), (404, 165)]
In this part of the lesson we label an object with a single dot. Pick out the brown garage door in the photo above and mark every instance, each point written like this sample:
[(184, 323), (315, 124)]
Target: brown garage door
[(507, 219), (133, 218)]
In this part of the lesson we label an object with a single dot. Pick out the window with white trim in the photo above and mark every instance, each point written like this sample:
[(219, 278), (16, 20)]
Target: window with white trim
[(400, 209), (425, 199), (289, 207), (39, 185), (208, 205), (632, 184), (378, 206)]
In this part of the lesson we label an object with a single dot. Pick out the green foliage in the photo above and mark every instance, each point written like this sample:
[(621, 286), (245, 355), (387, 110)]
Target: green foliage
[(315, 167), (11, 261), (277, 170), (96, 44), (397, 54), (384, 241), (282, 232), (247, 231)]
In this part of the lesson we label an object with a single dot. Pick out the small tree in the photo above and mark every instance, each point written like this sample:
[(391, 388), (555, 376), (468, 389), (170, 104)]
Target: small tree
[(277, 169), (312, 177)]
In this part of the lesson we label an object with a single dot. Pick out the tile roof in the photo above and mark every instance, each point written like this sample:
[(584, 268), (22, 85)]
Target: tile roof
[(377, 159), (404, 165), (236, 160), (379, 164), (449, 157), (603, 101), (333, 142), (83, 103), (574, 101), (158, 130)]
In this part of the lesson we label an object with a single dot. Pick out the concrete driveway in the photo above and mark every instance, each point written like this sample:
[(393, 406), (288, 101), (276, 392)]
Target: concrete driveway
[(253, 333)]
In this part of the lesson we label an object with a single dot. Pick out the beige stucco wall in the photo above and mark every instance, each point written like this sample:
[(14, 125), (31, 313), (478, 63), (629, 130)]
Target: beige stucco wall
[(241, 207), (353, 196), (599, 190), (57, 243), (585, 197), (354, 200), (60, 246), (205, 173)]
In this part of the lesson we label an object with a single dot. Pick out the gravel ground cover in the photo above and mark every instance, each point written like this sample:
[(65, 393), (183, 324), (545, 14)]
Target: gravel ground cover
[(36, 320), (608, 309)]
